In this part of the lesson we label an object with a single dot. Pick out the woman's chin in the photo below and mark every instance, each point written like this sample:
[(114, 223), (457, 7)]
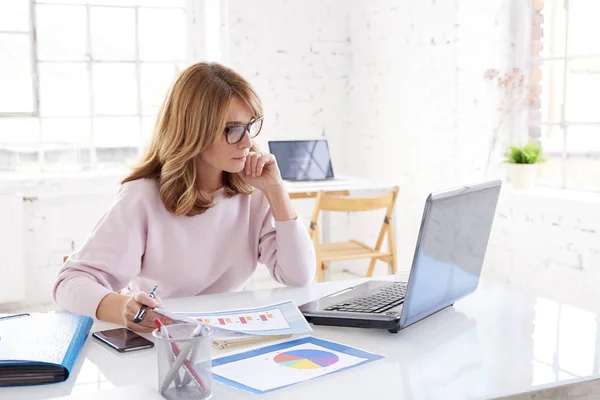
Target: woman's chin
[(235, 167)]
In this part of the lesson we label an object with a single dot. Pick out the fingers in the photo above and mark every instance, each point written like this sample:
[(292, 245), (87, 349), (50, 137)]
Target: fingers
[(152, 315), (260, 164), (131, 309), (160, 302), (256, 162), (143, 298), (250, 166)]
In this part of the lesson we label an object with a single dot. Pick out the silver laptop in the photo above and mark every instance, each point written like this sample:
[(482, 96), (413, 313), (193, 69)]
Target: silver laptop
[(447, 264), (303, 160)]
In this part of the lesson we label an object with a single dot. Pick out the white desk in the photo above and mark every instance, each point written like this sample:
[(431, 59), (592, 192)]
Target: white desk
[(342, 186), (496, 341)]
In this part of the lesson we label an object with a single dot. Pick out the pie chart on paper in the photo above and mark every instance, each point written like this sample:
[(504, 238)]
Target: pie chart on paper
[(306, 359)]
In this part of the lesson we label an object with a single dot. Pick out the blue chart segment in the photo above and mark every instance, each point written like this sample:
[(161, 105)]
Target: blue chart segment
[(306, 359)]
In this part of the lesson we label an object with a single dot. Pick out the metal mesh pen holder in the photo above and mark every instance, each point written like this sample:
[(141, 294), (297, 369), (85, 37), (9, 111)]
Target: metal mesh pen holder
[(184, 362)]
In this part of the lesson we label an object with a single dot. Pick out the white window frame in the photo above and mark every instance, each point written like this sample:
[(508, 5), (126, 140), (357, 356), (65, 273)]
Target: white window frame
[(563, 123), (34, 72), (197, 13)]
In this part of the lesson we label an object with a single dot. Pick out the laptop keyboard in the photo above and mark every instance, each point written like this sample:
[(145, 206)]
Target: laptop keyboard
[(382, 300)]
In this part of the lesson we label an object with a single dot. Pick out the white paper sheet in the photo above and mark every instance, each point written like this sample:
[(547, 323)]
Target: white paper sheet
[(286, 366), (247, 322)]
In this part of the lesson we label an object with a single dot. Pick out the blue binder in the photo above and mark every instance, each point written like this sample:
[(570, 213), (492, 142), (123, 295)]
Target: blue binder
[(40, 348)]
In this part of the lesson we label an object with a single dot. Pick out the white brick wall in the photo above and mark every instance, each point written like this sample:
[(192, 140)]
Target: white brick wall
[(49, 217), (396, 86), (549, 242), (418, 114), (296, 54)]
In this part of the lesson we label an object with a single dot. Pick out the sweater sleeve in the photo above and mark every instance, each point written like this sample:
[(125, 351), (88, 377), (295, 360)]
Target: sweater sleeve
[(287, 251), (110, 256)]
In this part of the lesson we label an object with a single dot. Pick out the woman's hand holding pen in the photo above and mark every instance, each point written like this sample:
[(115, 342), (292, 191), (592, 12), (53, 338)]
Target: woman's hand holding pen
[(122, 309), (132, 306)]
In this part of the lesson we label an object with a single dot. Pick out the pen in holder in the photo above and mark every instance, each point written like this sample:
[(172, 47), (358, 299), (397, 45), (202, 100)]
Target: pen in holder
[(184, 361)]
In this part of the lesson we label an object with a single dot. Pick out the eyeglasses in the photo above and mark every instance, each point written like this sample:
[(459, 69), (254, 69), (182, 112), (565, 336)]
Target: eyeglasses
[(235, 133)]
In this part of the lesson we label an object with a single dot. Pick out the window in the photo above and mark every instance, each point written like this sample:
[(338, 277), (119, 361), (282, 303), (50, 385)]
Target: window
[(85, 79), (565, 77)]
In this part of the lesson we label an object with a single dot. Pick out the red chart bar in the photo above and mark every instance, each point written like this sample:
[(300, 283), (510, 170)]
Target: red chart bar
[(242, 320), (221, 321), (263, 317)]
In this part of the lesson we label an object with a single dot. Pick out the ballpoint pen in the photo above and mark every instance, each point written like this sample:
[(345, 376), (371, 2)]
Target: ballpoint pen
[(14, 316), (181, 358), (142, 312)]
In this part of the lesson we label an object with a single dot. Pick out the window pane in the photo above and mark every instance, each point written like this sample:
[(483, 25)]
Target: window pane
[(583, 90), (115, 89), (14, 15), (61, 32), (583, 163), (117, 132), (167, 43), (113, 33), (554, 25), (19, 144), (19, 132), (583, 139), (584, 29), (553, 90), (66, 131), (550, 171), (63, 89), (147, 130), (16, 81), (156, 79), (583, 172)]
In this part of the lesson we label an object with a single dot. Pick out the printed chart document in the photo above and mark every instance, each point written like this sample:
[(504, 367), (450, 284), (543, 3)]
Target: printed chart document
[(272, 320), (276, 366)]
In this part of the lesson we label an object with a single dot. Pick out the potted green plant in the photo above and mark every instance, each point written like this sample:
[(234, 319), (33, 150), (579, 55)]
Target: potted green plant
[(522, 164)]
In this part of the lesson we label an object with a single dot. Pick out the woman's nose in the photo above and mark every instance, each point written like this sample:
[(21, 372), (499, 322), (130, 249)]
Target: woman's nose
[(246, 141)]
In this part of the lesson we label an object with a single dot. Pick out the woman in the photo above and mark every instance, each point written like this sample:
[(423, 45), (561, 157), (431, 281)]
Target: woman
[(188, 218)]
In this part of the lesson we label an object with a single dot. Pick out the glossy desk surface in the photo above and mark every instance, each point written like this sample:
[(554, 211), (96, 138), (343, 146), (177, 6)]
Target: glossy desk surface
[(494, 342)]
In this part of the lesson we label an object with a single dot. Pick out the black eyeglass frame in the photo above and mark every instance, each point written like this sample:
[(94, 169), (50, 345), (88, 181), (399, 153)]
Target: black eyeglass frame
[(246, 127)]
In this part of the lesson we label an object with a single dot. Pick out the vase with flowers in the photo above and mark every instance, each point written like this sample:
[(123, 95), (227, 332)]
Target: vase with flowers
[(510, 97)]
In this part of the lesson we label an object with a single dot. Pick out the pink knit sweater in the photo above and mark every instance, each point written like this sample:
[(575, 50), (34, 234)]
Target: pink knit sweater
[(137, 243)]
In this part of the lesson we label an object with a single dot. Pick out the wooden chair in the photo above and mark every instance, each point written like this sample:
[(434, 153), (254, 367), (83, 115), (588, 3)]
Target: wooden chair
[(353, 249)]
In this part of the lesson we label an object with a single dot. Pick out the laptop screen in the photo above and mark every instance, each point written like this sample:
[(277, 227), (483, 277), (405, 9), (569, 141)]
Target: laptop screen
[(450, 250), (302, 159)]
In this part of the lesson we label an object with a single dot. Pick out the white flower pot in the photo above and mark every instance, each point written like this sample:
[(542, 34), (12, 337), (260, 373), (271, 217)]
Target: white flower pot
[(522, 176)]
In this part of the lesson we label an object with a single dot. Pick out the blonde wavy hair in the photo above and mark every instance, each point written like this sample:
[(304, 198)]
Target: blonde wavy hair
[(192, 118)]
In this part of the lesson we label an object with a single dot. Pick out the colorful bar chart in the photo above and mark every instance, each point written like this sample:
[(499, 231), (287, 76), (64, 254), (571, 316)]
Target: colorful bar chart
[(267, 320)]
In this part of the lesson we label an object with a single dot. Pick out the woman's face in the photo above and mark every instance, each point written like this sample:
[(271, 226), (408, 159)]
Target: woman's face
[(223, 156)]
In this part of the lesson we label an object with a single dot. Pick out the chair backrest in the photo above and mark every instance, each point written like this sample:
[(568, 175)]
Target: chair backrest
[(327, 202), (352, 204)]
